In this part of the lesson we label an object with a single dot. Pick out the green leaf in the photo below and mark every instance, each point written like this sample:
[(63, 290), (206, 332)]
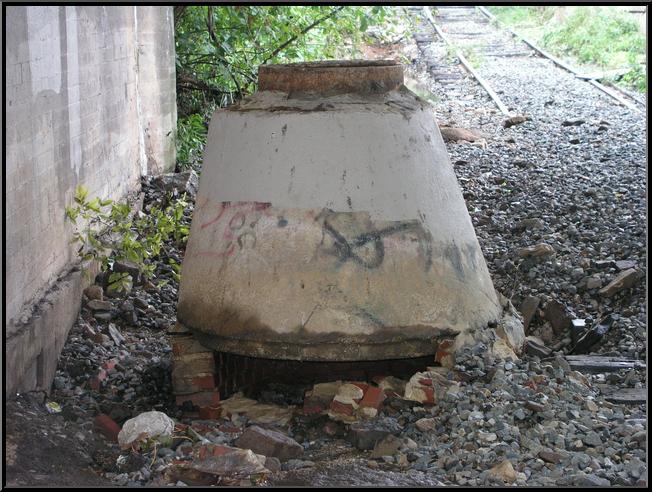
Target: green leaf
[(81, 192), (72, 213), (94, 205)]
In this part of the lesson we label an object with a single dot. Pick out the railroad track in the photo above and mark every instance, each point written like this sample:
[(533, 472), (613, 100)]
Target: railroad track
[(469, 33)]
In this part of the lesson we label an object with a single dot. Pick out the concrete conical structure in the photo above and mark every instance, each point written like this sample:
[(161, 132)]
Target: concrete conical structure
[(329, 224)]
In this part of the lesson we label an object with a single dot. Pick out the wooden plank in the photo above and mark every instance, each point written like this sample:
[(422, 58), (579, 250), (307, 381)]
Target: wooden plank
[(613, 94), (625, 396), (596, 363)]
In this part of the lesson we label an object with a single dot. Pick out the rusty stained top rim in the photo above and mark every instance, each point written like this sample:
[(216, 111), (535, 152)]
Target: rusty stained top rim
[(332, 76), (330, 64)]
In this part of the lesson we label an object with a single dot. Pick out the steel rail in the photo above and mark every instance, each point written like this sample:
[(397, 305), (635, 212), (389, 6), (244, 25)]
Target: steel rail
[(485, 85), (610, 92)]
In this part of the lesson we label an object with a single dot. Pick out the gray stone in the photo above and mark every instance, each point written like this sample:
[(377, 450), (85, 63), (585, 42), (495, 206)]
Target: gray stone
[(103, 316), (295, 464), (624, 280), (94, 292), (387, 446), (592, 439), (184, 182), (269, 443), (556, 313), (590, 480), (272, 464), (364, 436), (528, 309)]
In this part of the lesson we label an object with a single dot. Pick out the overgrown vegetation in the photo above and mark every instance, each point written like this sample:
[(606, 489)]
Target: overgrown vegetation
[(219, 49), (603, 37), (108, 232)]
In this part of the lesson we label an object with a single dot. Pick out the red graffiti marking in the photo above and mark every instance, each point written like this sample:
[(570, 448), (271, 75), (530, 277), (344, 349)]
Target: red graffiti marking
[(223, 207), (215, 254), (235, 224)]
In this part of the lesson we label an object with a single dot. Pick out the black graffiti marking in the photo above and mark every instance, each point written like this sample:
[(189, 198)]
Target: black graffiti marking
[(241, 237), (345, 250)]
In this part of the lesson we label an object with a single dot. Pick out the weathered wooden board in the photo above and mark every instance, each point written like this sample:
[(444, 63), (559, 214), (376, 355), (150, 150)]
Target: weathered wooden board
[(626, 396), (596, 363)]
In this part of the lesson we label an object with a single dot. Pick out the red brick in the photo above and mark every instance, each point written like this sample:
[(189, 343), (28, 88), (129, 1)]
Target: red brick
[(109, 364), (185, 450), (444, 355), (203, 399), (210, 413), (430, 394), (338, 407), (183, 345), (206, 382), (107, 426), (202, 428), (179, 427), (96, 381), (373, 397), (206, 450)]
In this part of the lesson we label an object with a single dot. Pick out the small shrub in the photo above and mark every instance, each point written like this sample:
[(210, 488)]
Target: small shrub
[(191, 139), (108, 231)]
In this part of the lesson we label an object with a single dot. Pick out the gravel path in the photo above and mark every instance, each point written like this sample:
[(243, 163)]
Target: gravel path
[(580, 188)]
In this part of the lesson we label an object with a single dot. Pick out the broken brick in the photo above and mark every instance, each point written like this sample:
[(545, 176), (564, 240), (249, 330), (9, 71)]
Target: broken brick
[(202, 399), (373, 398), (231, 429), (96, 381), (206, 450), (185, 345), (444, 355), (107, 427), (189, 365), (210, 413), (109, 364), (206, 382), (343, 408), (179, 427), (430, 394)]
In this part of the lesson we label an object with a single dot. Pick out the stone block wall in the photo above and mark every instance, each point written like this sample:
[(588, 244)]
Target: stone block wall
[(90, 99)]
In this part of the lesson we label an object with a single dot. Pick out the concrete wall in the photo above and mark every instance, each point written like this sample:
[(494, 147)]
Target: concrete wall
[(90, 99)]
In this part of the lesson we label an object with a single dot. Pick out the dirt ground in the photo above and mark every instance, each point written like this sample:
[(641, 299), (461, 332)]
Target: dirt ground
[(43, 449)]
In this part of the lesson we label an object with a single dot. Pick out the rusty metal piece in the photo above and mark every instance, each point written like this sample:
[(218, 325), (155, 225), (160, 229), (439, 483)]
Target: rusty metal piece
[(333, 77)]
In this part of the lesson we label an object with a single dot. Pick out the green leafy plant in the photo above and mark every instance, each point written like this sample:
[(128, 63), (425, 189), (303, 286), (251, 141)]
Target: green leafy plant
[(108, 231), (601, 37), (191, 138)]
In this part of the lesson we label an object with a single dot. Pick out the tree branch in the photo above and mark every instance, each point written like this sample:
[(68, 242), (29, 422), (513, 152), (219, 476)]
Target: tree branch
[(303, 31), (185, 81), (179, 10), (211, 33)]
